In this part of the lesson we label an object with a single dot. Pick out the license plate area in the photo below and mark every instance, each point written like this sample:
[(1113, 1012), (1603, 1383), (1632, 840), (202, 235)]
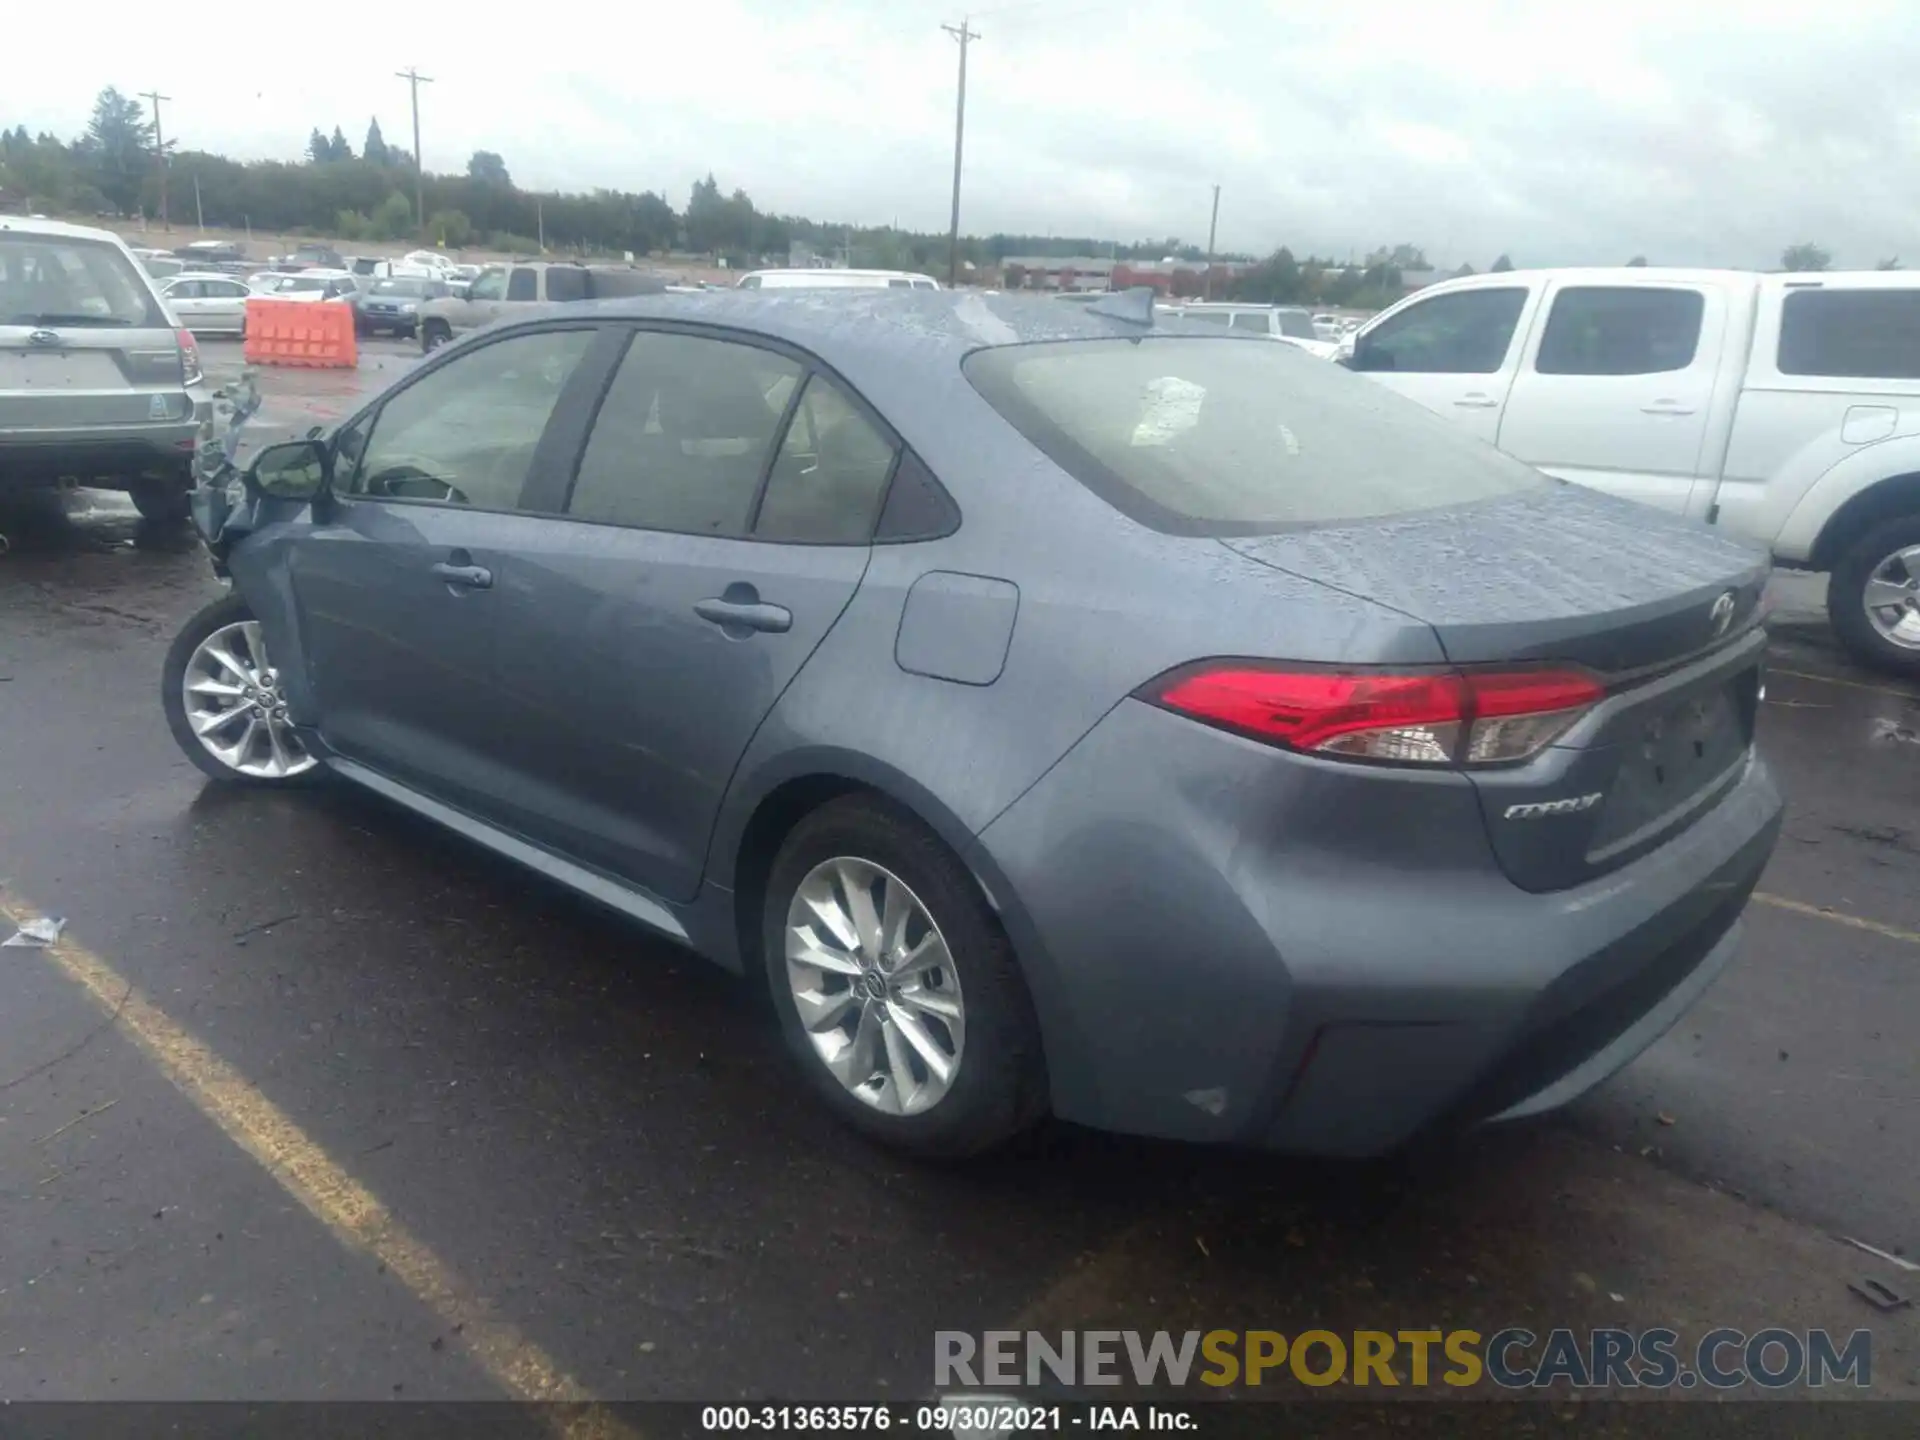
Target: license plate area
[(1678, 751)]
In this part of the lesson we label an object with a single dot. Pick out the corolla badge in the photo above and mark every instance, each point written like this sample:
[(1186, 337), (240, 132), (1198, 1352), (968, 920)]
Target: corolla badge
[(1721, 616), (42, 337), (1571, 806)]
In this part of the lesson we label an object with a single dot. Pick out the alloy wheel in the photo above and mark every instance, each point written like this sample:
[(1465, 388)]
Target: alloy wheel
[(875, 986), (236, 708), (1892, 598)]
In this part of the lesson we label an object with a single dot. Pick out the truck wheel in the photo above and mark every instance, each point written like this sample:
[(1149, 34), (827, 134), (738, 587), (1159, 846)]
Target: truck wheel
[(1873, 596), (434, 334), (164, 502)]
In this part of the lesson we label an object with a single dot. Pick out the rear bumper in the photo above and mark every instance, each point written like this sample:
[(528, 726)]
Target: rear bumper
[(40, 456), (1230, 944)]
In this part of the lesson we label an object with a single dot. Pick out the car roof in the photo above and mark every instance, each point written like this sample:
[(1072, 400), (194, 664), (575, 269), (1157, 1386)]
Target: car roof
[(19, 225), (207, 275)]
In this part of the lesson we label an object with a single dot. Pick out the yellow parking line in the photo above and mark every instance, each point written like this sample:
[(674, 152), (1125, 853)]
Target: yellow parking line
[(1838, 917), (354, 1215), (1848, 684)]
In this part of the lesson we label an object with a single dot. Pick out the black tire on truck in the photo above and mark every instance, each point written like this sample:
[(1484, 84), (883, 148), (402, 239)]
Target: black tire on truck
[(164, 501), (434, 334), (1884, 635)]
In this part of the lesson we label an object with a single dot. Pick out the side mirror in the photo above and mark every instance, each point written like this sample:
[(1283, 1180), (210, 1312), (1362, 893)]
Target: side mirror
[(460, 290), (296, 470)]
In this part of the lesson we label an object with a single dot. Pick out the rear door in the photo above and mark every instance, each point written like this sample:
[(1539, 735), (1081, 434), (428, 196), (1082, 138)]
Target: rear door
[(398, 584), (1616, 388), (225, 302), (1456, 352), (717, 526)]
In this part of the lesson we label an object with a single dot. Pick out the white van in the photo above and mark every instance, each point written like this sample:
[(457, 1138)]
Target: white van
[(818, 279), (1781, 408)]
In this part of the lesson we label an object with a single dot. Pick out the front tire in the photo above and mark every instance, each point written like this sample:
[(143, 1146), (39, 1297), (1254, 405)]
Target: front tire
[(897, 990), (1873, 596), (433, 335), (224, 703)]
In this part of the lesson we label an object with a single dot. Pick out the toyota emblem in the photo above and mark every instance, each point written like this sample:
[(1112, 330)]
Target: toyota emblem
[(42, 337), (1721, 616)]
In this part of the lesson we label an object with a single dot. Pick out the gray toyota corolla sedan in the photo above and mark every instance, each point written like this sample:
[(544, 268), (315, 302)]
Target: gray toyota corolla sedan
[(1163, 729)]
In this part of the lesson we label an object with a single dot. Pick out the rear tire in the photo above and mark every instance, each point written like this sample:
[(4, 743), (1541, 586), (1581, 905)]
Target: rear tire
[(219, 624), (433, 335), (1883, 638), (164, 502), (995, 1086)]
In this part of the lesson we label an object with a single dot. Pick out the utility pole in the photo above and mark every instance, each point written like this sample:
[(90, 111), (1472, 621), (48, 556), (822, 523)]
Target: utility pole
[(966, 35), (540, 221), (414, 81), (1213, 227), (160, 146), (199, 215)]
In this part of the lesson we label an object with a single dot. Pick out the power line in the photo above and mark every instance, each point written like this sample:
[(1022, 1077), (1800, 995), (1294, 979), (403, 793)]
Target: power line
[(966, 35), (160, 146), (414, 81)]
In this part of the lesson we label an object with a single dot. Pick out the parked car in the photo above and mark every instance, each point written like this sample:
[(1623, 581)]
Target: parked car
[(98, 382), (394, 305), (211, 252), (1280, 322), (308, 286), (814, 278), (1058, 714), (310, 256), (162, 267), (1780, 408), (1327, 327), (501, 289), (208, 303)]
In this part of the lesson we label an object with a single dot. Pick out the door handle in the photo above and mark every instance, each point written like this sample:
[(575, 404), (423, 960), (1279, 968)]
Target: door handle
[(1477, 401), (745, 615), (466, 577), (1666, 407)]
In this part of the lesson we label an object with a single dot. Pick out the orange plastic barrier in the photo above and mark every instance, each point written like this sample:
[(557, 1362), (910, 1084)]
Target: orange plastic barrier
[(317, 335)]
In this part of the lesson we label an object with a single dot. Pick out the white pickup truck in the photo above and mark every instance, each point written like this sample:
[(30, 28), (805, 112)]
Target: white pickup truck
[(1782, 408)]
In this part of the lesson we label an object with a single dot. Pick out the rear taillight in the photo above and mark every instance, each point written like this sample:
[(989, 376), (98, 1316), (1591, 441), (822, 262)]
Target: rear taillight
[(190, 371), (1441, 717)]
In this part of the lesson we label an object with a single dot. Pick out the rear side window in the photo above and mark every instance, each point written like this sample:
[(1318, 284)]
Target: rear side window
[(828, 479), (564, 284), (1253, 320), (1466, 333), (57, 280), (523, 285), (1201, 436), (1867, 334), (1620, 330), (683, 435), (1297, 325), (1208, 317)]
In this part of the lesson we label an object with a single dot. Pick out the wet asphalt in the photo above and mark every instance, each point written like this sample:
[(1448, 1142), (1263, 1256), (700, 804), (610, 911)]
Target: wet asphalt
[(599, 1136)]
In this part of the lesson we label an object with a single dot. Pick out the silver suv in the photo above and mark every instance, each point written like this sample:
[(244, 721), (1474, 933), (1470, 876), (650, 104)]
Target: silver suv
[(98, 382)]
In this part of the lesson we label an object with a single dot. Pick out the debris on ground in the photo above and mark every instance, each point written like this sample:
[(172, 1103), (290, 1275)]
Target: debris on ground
[(36, 934), (1666, 1119)]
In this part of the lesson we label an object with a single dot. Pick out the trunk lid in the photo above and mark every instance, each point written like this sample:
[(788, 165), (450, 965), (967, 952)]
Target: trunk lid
[(67, 377), (1664, 612)]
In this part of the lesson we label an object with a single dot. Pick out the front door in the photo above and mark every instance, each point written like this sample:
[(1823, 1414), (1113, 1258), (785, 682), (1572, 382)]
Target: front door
[(658, 626), (397, 587), (1455, 353), (1618, 392)]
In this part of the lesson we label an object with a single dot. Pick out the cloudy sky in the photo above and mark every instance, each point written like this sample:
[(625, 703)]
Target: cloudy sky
[(1561, 131)]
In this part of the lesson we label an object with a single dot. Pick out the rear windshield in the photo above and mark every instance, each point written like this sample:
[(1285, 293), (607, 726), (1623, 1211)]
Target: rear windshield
[(1203, 436), (58, 280)]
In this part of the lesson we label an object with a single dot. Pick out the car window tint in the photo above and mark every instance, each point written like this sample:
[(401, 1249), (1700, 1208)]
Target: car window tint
[(1467, 333), (1865, 334), (185, 290), (489, 285), (1297, 325), (466, 433), (564, 284), (683, 435), (1251, 320), (831, 472), (1208, 317), (1620, 330), (523, 285), (80, 282), (225, 289)]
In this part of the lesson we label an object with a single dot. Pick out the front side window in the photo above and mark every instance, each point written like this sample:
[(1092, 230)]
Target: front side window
[(523, 285), (466, 433), (1620, 330), (830, 475), (683, 435), (1861, 334), (1202, 436), (1467, 333), (490, 284)]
